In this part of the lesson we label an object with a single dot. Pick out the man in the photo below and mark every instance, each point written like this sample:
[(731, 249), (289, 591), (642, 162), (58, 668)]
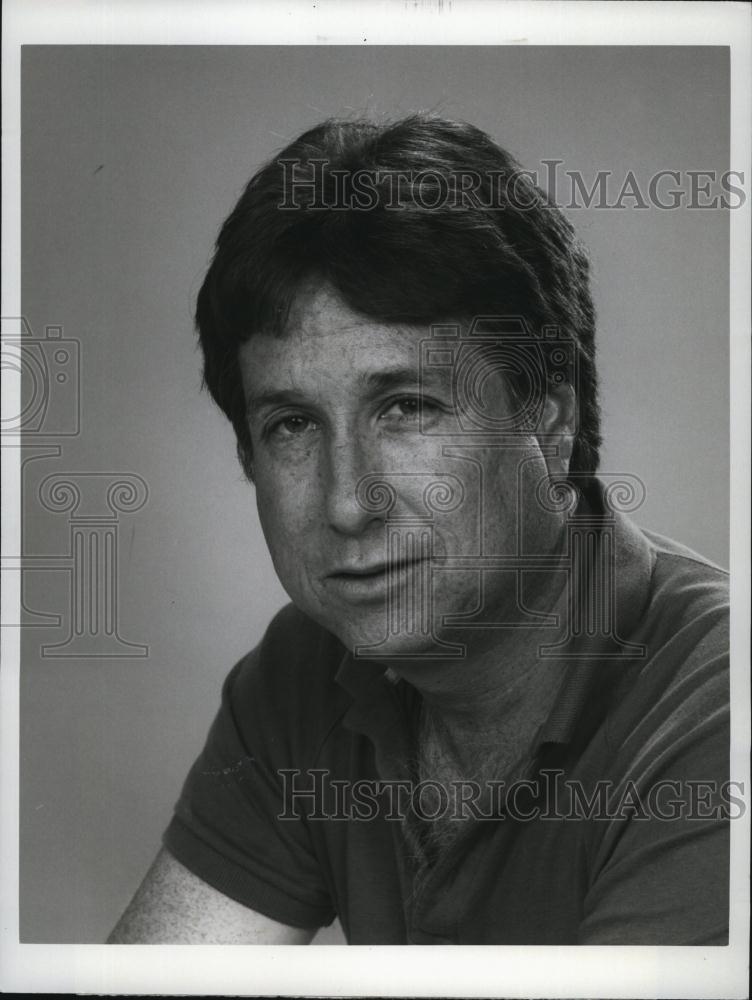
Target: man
[(496, 710)]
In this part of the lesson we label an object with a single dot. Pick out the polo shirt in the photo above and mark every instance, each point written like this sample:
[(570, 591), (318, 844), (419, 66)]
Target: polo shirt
[(615, 831)]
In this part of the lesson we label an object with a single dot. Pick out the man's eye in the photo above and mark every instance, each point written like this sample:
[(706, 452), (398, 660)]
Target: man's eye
[(405, 409), (292, 426), (412, 410)]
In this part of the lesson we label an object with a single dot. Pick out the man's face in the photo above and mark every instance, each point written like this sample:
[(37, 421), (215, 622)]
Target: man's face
[(335, 407)]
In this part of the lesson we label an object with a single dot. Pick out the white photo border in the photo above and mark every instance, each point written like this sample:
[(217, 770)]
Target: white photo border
[(384, 971)]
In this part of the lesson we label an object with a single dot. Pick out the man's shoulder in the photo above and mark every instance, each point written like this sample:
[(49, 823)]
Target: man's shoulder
[(687, 591), (680, 684), (675, 557)]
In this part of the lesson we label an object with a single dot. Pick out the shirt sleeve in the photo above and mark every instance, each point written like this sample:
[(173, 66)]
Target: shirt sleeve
[(226, 827), (662, 864)]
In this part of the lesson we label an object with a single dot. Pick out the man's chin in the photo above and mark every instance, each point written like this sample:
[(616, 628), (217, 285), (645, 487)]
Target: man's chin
[(378, 643), (393, 632)]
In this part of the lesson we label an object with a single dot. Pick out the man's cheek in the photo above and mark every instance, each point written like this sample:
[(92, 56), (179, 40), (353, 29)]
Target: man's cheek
[(278, 526)]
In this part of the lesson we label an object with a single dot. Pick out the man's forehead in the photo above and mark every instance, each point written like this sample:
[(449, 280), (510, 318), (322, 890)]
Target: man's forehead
[(318, 309), (324, 338), (369, 370)]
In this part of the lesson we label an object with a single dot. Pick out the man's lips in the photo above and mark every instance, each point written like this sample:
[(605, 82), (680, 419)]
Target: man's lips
[(354, 571), (370, 582), (378, 569)]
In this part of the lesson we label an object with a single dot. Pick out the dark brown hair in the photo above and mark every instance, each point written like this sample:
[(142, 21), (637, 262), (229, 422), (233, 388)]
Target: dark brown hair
[(501, 249)]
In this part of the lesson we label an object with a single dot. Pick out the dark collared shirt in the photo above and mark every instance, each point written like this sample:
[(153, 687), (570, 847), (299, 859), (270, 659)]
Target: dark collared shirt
[(615, 833)]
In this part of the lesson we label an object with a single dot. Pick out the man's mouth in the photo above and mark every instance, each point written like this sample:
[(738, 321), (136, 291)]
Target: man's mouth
[(371, 582), (358, 571)]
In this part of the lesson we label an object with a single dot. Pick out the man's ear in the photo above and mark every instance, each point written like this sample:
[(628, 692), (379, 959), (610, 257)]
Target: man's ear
[(245, 455), (557, 428)]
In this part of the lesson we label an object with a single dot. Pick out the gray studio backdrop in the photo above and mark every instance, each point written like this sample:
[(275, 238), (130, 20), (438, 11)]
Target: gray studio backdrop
[(132, 156)]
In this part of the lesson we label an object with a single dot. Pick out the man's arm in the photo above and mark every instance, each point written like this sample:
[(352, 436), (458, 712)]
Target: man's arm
[(174, 906)]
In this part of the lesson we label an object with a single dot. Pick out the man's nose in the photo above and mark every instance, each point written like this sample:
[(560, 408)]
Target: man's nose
[(349, 463)]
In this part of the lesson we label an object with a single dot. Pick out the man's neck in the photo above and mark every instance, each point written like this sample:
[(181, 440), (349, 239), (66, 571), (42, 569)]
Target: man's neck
[(498, 694)]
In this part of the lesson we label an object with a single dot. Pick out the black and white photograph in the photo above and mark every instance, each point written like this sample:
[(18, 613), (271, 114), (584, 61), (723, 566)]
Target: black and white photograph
[(375, 554)]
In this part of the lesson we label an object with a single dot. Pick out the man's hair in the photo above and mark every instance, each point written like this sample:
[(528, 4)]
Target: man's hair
[(381, 213)]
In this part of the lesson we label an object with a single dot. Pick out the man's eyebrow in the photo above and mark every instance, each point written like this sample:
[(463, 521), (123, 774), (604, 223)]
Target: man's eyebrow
[(374, 382), (276, 397), (393, 378)]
